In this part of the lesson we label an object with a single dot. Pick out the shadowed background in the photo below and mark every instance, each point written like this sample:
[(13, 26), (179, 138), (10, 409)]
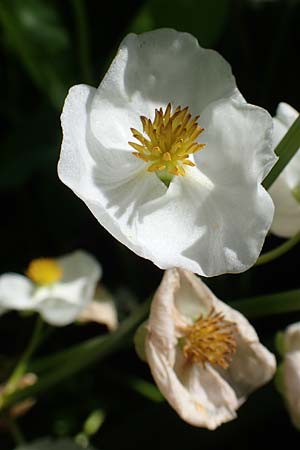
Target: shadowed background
[(46, 47)]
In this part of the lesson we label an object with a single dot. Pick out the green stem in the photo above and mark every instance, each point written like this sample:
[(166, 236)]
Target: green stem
[(266, 305), (278, 251), (81, 357), (15, 431), (83, 39), (286, 149), (21, 367)]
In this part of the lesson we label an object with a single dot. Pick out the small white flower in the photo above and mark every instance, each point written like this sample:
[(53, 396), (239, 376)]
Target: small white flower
[(204, 356), (176, 188), (58, 289), (285, 191), (291, 372)]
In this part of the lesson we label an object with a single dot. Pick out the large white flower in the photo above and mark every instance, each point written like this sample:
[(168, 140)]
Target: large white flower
[(134, 150), (59, 289), (291, 371), (285, 191), (204, 356)]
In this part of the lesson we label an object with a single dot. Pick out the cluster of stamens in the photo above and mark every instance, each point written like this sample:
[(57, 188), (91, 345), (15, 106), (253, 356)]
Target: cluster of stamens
[(43, 271), (210, 339), (171, 139)]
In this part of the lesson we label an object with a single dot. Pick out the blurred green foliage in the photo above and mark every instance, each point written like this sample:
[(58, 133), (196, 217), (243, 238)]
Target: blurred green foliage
[(46, 47)]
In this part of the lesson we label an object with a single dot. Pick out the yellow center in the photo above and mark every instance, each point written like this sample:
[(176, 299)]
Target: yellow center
[(44, 271), (170, 140), (210, 340)]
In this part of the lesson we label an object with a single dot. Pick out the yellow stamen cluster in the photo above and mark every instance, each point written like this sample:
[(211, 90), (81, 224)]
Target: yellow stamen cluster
[(210, 340), (44, 271), (171, 138)]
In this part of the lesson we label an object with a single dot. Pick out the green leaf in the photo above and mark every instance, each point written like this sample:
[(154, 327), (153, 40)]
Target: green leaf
[(285, 150), (33, 32), (266, 305)]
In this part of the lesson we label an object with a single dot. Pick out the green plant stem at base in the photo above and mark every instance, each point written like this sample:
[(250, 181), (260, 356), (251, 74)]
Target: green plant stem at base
[(285, 150), (15, 431), (21, 367), (278, 251)]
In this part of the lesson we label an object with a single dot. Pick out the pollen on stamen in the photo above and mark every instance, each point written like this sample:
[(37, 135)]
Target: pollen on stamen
[(167, 142), (210, 339), (44, 271)]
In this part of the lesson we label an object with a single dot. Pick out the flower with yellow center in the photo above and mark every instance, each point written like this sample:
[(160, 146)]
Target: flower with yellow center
[(59, 289), (131, 152), (205, 357)]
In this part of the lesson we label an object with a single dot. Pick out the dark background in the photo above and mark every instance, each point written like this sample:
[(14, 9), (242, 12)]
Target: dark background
[(46, 47)]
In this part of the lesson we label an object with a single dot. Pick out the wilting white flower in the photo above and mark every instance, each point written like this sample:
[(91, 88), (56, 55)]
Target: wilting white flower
[(291, 372), (189, 195), (204, 356), (101, 310), (285, 191), (58, 289)]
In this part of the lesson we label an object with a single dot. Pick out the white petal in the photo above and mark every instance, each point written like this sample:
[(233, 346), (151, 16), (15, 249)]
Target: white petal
[(291, 385), (214, 229), (286, 114), (101, 310), (238, 140), (149, 71), (15, 292), (292, 338), (114, 191), (286, 220), (62, 302), (189, 397)]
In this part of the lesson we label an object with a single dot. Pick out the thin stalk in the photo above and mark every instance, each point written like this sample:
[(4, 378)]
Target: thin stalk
[(278, 251), (15, 431), (21, 367)]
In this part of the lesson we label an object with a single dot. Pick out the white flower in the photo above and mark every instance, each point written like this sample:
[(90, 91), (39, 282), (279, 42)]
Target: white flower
[(291, 372), (285, 191), (206, 210), (204, 356), (101, 310), (58, 289)]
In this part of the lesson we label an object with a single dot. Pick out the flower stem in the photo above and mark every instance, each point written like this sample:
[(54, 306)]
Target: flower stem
[(266, 305), (278, 251), (15, 431), (286, 149), (21, 367), (79, 357)]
